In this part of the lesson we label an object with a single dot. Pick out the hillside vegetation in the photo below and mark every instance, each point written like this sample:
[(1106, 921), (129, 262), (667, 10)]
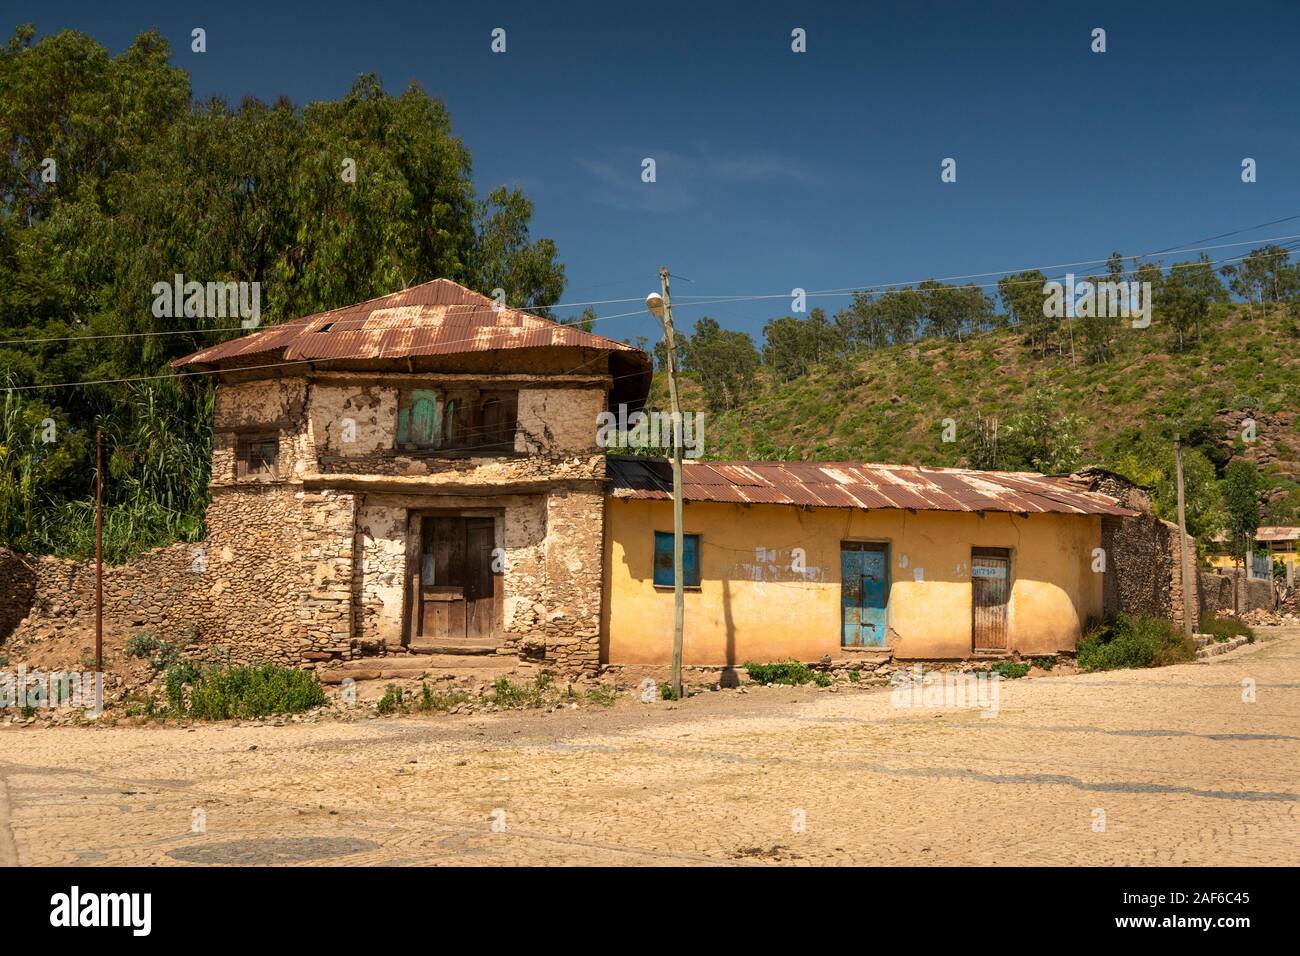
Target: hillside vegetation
[(1005, 396)]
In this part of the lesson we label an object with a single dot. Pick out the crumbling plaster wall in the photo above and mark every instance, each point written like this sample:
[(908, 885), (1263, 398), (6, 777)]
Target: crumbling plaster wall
[(274, 405), (558, 421), (551, 575), (555, 438), (351, 421), (379, 575)]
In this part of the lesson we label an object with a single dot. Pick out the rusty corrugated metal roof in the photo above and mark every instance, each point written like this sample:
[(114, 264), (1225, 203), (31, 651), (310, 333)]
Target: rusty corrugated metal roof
[(434, 318), (1277, 533), (858, 485)]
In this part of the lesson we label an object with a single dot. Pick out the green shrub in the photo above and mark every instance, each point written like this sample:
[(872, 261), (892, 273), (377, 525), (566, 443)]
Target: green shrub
[(782, 672), (602, 695), (1009, 670), (178, 676), (1226, 628), (1134, 642), (534, 693), (666, 691), (822, 680), (141, 645), (440, 700), (145, 644), (855, 676), (1046, 663), (226, 692), (393, 701)]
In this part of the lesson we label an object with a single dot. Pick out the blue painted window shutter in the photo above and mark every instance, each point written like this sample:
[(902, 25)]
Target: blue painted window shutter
[(663, 570)]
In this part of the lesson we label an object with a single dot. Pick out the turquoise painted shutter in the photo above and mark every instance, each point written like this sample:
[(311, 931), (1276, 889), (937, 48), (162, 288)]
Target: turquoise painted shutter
[(424, 419), (663, 559), (691, 560)]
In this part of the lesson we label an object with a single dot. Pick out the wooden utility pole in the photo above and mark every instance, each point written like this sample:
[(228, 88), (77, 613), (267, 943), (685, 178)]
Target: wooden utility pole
[(679, 602), (1182, 538), (99, 551)]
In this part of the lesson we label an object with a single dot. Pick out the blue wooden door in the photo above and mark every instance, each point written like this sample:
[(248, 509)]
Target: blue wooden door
[(864, 590)]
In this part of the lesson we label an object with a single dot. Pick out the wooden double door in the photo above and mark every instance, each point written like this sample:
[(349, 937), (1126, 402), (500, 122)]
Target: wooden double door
[(458, 586)]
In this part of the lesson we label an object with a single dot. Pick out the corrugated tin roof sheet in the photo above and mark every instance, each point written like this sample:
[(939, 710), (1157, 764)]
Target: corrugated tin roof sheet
[(858, 485), (1277, 533), (435, 318)]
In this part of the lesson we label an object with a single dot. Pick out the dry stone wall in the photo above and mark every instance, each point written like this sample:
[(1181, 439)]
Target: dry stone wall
[(240, 595), (1252, 595), (1143, 556)]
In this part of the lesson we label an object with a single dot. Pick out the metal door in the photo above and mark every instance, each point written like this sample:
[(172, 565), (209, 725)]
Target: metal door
[(990, 592), (864, 592)]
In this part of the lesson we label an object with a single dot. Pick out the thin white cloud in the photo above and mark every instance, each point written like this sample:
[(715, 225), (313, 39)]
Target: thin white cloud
[(680, 179)]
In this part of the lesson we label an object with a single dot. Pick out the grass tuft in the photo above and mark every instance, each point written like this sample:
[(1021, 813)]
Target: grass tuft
[(781, 672)]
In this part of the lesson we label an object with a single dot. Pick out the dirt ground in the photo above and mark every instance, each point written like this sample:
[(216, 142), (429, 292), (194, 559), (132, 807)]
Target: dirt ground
[(1167, 766)]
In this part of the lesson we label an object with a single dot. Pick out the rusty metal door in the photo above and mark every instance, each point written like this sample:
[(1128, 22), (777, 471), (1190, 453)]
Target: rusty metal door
[(990, 591), (864, 593)]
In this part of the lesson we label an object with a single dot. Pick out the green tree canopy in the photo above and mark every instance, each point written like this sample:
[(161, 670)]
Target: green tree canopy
[(114, 179)]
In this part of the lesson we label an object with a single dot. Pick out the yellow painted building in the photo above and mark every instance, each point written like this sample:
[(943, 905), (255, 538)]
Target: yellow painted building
[(772, 576)]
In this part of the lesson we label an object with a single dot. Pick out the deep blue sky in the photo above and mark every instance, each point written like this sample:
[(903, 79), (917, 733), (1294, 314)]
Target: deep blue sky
[(818, 170)]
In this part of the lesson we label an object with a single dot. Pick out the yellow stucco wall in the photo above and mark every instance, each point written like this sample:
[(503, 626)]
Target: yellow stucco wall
[(751, 606)]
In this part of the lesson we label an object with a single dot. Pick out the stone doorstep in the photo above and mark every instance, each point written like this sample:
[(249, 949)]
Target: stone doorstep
[(465, 648), (1214, 648), (413, 667)]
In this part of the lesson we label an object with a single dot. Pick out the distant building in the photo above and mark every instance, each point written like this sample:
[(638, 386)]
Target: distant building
[(1270, 547)]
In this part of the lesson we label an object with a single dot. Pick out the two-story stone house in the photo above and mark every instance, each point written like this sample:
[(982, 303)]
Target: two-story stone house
[(417, 470)]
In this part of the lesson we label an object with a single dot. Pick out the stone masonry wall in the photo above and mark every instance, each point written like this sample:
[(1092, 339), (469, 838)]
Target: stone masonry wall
[(1252, 595), (239, 595), (1143, 558), (17, 590), (574, 572)]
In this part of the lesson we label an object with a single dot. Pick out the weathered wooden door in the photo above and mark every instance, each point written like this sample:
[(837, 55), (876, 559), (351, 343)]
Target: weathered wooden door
[(990, 570), (480, 582), (458, 588), (864, 593)]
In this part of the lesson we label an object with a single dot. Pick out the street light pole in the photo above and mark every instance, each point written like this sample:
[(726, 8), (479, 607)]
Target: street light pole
[(663, 308), (99, 551), (1185, 569)]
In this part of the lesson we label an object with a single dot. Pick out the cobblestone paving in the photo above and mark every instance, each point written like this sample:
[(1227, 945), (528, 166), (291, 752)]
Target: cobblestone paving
[(1182, 768)]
